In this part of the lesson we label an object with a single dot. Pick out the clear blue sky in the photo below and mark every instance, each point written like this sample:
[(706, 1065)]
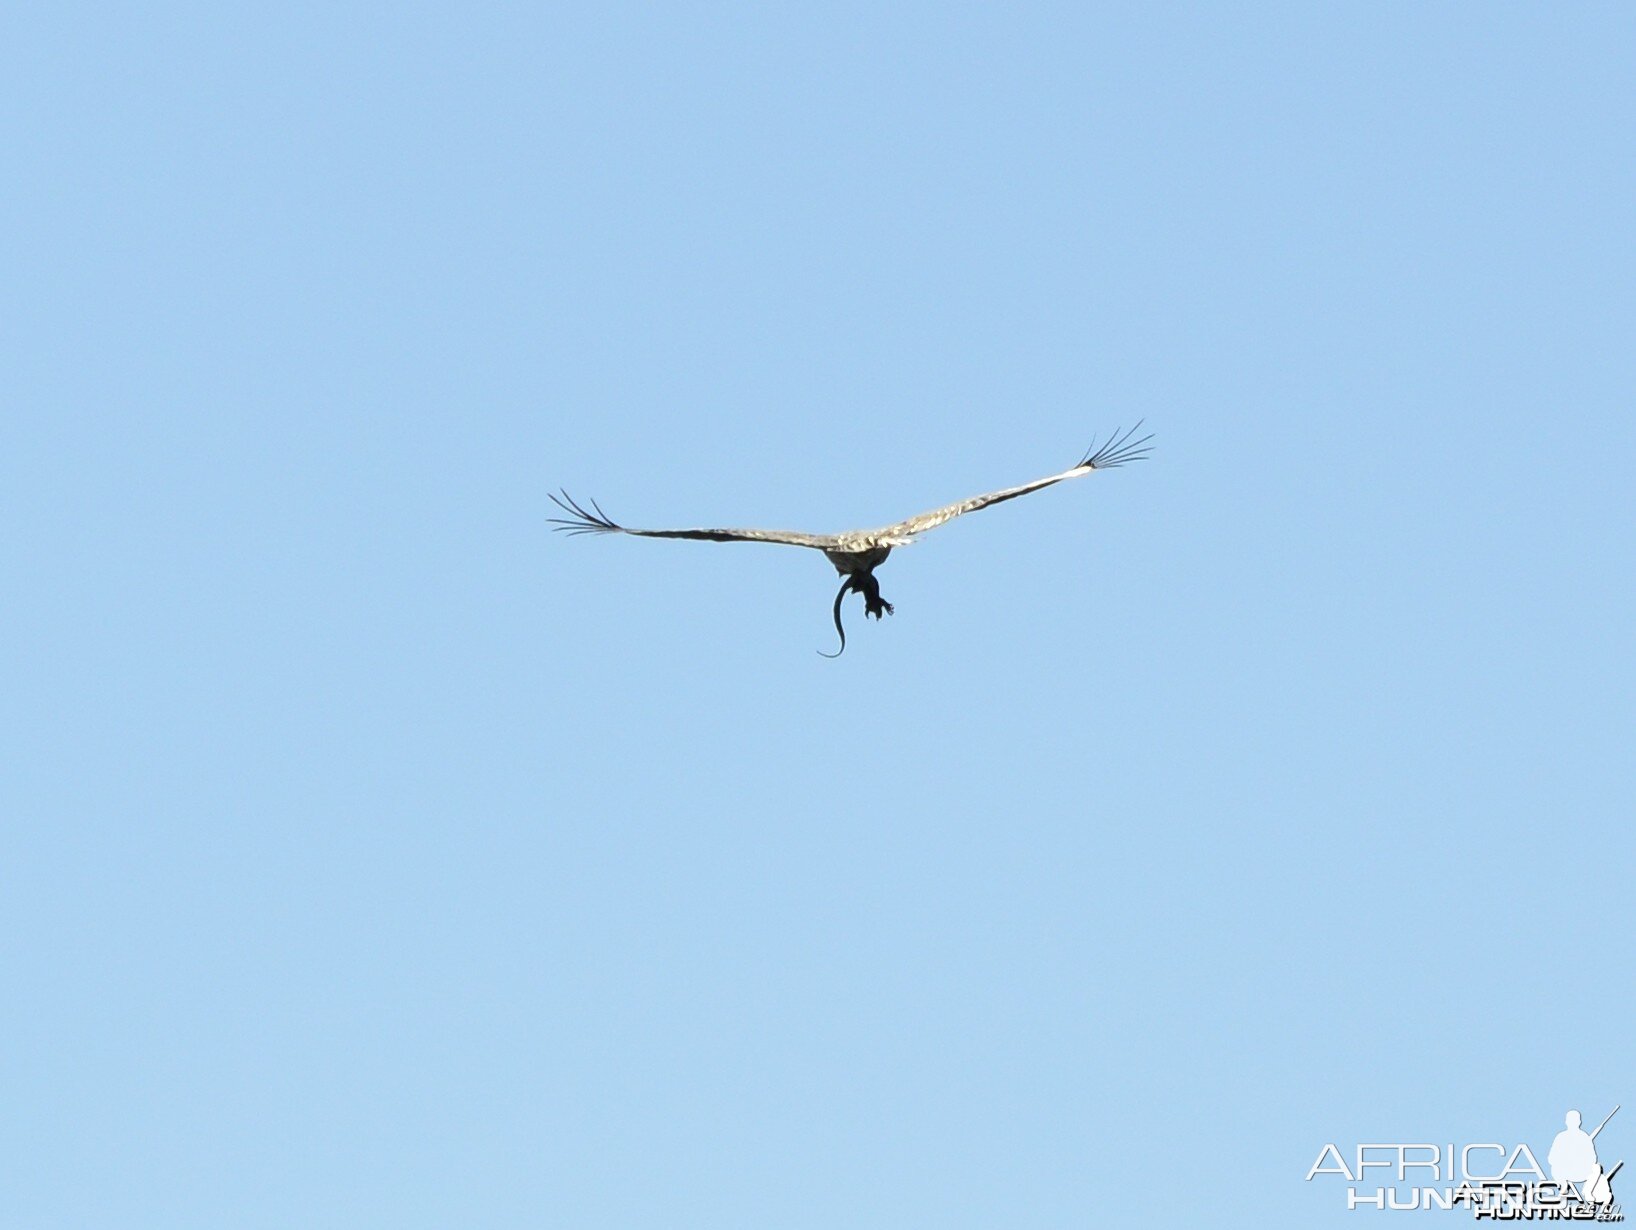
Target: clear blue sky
[(373, 857)]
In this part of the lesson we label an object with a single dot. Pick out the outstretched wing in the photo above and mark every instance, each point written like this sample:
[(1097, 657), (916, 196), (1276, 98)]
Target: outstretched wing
[(1116, 452), (580, 521)]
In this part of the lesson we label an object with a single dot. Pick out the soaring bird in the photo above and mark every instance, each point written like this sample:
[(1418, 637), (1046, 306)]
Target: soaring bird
[(858, 553)]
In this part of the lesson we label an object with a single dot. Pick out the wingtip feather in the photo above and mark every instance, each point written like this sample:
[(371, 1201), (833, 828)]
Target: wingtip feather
[(1120, 447), (578, 520)]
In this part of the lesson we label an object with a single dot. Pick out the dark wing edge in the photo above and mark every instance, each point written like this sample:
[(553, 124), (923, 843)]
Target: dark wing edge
[(581, 520), (1118, 450)]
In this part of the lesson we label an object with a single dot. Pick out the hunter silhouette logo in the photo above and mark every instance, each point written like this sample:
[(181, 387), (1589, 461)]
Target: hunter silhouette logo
[(1573, 1160), (1497, 1182)]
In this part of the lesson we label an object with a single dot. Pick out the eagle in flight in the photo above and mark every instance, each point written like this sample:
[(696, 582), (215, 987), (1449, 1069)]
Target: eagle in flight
[(858, 553)]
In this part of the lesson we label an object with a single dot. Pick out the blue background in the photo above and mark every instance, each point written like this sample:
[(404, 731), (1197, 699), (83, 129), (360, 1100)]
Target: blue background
[(373, 857)]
